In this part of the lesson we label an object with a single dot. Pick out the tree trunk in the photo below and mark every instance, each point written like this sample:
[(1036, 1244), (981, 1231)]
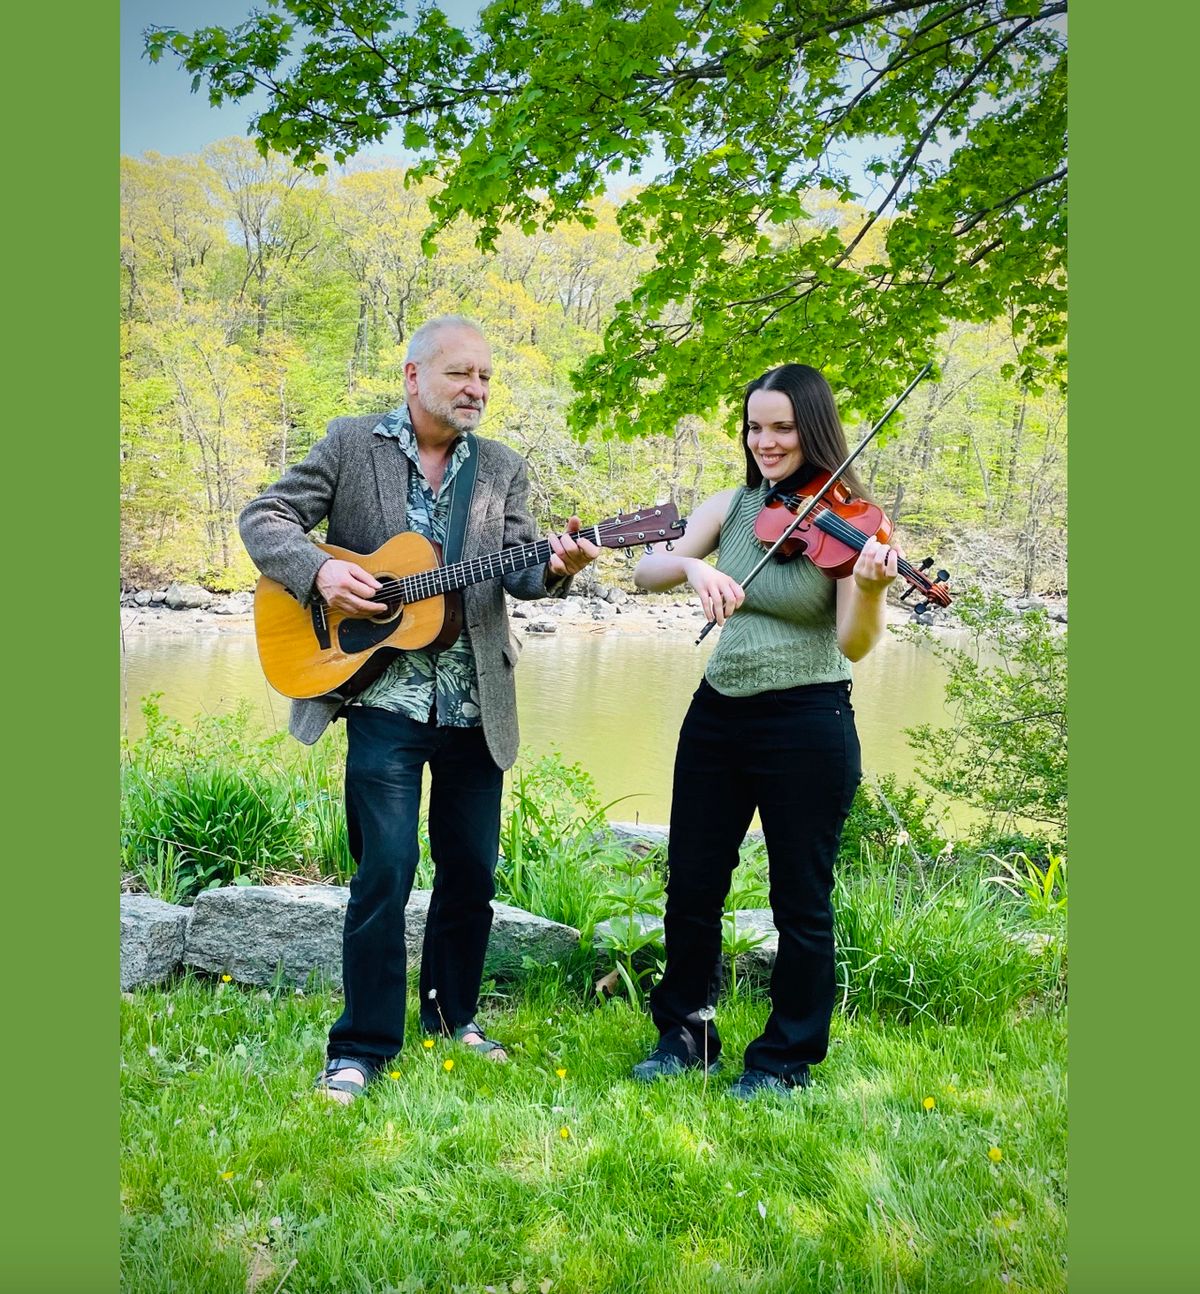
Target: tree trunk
[(1014, 453)]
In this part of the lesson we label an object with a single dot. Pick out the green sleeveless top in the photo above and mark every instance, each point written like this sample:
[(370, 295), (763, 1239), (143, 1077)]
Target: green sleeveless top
[(785, 633)]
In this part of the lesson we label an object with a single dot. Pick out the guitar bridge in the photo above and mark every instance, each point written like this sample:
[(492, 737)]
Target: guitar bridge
[(320, 623)]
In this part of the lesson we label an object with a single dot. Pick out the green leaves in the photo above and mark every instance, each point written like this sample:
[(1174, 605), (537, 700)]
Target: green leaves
[(755, 110)]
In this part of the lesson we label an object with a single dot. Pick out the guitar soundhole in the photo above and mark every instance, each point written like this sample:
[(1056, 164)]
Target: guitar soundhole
[(394, 612)]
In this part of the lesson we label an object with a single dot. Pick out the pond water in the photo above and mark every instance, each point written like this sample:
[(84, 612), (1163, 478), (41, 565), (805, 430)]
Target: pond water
[(611, 700)]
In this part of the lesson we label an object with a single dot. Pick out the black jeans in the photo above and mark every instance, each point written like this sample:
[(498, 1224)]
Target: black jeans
[(793, 755), (386, 756)]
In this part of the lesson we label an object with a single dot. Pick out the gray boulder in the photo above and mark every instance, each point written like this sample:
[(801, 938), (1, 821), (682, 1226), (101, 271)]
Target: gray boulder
[(233, 604), (637, 837), (187, 597), (641, 837), (757, 922), (152, 940), (142, 598), (517, 934), (254, 932), (251, 932)]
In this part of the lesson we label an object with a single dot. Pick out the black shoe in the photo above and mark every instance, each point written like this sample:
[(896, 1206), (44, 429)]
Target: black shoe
[(665, 1064), (753, 1083)]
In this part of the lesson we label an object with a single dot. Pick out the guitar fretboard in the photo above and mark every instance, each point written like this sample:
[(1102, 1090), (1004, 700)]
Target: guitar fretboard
[(445, 579)]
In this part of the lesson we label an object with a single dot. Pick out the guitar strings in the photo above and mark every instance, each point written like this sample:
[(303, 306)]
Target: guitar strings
[(438, 580)]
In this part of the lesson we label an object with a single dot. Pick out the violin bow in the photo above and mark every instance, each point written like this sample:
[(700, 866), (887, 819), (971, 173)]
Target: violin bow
[(820, 494)]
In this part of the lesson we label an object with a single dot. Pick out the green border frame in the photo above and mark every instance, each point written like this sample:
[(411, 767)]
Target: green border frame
[(1132, 1181), (1132, 1187), (60, 913)]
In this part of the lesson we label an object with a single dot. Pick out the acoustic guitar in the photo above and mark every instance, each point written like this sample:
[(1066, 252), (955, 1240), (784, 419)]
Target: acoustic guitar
[(317, 651)]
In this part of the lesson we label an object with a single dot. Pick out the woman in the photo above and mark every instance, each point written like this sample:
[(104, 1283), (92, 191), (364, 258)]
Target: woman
[(769, 728)]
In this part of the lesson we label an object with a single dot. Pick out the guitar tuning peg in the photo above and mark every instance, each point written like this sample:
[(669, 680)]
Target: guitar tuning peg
[(649, 548), (629, 553), (670, 545)]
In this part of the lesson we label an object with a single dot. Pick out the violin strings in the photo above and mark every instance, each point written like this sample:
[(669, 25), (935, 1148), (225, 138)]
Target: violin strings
[(837, 526)]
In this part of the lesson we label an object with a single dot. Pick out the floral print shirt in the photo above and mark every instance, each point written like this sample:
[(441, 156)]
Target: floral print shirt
[(418, 680)]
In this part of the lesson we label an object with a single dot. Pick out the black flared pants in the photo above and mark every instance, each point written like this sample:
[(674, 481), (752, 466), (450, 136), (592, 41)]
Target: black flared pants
[(794, 756)]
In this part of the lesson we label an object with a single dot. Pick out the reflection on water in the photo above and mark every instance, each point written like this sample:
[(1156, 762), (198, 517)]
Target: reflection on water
[(612, 701)]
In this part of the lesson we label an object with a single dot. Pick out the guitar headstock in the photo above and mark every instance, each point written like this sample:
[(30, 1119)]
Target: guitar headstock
[(660, 523)]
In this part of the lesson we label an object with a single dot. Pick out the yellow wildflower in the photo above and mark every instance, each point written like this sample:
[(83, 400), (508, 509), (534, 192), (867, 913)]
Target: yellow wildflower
[(929, 1103), (395, 1073), (995, 1154), (226, 979), (427, 1044), (564, 1133), (562, 1073), (227, 1176), (447, 1065)]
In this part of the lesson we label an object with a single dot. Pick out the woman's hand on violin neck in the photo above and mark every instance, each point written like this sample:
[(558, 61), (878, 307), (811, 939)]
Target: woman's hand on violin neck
[(877, 566), (720, 596)]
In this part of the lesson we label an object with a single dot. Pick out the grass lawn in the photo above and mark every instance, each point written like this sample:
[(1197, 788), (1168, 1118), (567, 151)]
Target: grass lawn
[(236, 1177)]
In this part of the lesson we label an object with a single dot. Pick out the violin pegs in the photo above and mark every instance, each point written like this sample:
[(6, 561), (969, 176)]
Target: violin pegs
[(943, 576), (670, 545), (629, 553), (649, 548)]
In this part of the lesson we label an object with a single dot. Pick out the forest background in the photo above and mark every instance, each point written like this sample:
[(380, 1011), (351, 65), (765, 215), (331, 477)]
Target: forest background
[(258, 301)]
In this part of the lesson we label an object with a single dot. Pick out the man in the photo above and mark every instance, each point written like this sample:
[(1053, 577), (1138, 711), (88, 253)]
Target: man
[(373, 477)]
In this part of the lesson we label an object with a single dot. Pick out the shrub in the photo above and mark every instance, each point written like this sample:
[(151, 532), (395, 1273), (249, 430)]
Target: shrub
[(1006, 752), (880, 810), (554, 853)]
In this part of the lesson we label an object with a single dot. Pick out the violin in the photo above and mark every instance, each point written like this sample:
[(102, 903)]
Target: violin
[(834, 531)]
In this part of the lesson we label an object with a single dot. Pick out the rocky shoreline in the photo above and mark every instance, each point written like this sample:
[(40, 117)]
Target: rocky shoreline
[(590, 608)]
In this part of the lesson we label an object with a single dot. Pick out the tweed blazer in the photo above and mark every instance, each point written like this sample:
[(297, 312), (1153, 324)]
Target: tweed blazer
[(359, 483)]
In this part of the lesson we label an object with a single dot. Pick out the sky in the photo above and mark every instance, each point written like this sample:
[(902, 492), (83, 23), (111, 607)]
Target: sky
[(160, 114)]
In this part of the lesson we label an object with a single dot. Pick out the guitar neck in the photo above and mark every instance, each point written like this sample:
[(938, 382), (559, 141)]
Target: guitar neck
[(446, 579)]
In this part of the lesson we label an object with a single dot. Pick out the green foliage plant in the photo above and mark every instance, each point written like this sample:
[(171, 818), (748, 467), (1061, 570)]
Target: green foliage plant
[(216, 795), (633, 902), (1006, 751), (160, 870), (553, 847), (1043, 890), (748, 889), (881, 809)]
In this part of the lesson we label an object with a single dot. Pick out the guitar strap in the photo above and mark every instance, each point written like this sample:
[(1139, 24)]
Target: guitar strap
[(462, 492)]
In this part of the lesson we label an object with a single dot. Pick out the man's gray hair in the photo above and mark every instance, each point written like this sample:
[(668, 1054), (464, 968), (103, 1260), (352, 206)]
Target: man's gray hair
[(423, 344)]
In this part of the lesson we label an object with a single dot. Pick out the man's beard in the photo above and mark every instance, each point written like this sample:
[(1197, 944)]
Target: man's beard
[(460, 419)]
